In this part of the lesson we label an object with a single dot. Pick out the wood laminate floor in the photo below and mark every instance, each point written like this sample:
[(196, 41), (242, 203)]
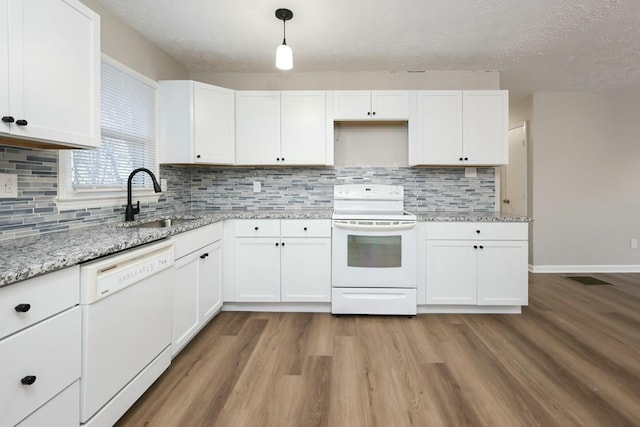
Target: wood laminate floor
[(571, 359)]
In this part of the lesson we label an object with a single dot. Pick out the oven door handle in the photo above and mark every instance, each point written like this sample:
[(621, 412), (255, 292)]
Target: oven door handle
[(374, 225)]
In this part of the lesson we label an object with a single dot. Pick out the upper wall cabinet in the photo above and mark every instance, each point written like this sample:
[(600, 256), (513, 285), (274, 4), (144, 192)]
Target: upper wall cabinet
[(50, 73), (281, 128), (466, 128), (197, 123), (371, 105)]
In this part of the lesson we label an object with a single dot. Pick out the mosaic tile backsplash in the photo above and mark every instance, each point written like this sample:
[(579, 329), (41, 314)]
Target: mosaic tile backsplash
[(34, 210)]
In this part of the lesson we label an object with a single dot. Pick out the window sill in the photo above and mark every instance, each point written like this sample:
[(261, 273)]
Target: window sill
[(70, 203)]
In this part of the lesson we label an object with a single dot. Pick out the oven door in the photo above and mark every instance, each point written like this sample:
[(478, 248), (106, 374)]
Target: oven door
[(367, 255)]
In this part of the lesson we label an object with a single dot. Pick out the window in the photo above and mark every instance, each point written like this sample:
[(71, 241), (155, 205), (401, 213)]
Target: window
[(128, 115)]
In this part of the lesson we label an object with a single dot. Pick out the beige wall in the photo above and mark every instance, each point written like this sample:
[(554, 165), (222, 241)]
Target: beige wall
[(127, 46), (352, 80), (585, 180)]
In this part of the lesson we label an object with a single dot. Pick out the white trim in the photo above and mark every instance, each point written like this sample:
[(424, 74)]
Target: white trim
[(584, 268), (470, 309), (288, 307)]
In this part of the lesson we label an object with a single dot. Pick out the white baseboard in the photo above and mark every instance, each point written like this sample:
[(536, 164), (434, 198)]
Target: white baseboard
[(299, 307), (584, 268)]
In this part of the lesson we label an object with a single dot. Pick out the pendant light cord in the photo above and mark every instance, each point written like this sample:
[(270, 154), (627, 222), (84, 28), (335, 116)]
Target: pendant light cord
[(284, 31)]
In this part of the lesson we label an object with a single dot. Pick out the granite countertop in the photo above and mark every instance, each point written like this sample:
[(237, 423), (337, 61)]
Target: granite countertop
[(32, 256)]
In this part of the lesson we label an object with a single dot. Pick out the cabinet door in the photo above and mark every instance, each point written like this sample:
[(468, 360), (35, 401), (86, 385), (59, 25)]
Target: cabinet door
[(451, 272), (54, 71), (352, 105), (303, 128), (257, 128), (210, 281), (4, 65), (185, 303), (502, 273), (257, 269), (390, 105), (306, 269), (439, 128), (214, 124), (485, 127)]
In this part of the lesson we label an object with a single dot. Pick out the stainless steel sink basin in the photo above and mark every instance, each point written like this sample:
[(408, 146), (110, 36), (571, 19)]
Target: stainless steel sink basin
[(161, 223)]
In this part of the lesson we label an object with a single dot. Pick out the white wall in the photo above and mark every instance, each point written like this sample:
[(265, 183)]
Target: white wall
[(127, 46), (352, 80), (585, 184)]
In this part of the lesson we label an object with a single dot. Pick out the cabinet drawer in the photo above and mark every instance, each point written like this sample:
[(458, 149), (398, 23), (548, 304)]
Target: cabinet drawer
[(62, 410), (477, 230), (305, 227), (49, 351), (257, 228), (45, 295), (192, 240)]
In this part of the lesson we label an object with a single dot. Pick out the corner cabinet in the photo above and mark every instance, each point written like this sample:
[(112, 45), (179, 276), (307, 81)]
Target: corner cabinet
[(50, 73), (281, 128), (197, 123), (476, 264), (462, 128), (285, 260), (198, 282), (357, 105)]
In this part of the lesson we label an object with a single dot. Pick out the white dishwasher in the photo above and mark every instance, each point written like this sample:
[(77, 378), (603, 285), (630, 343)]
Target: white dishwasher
[(126, 302)]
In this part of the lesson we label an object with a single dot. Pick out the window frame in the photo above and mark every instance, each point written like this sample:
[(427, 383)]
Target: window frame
[(69, 198)]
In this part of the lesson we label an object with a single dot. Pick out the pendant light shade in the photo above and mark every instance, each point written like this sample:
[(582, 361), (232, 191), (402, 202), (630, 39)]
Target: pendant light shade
[(284, 54)]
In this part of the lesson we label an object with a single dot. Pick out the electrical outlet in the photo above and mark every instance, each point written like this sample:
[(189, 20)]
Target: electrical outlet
[(163, 184), (257, 186), (8, 186), (634, 243)]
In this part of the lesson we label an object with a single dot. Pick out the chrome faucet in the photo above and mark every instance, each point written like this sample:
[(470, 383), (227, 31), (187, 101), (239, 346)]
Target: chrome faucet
[(130, 211)]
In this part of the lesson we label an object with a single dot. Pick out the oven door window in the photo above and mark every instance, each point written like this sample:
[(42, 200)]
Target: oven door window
[(374, 251)]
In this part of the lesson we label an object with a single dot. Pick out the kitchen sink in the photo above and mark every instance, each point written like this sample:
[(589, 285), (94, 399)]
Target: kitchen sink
[(166, 222)]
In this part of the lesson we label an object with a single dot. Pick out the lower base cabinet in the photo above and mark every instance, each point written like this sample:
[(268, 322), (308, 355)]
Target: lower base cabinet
[(198, 282), (281, 261), (476, 264)]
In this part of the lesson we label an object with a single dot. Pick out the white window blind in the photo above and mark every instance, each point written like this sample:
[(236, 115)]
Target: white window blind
[(128, 133)]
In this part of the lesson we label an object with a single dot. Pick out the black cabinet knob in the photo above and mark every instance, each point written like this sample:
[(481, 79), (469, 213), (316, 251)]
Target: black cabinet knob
[(374, 113), (305, 229), (368, 113), (481, 247), (282, 243), (466, 158), (475, 246), (203, 256), (255, 228), (282, 159), (8, 119), (277, 244), (197, 156), (21, 122), (277, 159), (28, 380), (478, 231), (460, 158), (23, 308)]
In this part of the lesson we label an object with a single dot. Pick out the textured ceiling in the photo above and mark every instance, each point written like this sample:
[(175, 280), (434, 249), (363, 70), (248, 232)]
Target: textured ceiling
[(537, 45)]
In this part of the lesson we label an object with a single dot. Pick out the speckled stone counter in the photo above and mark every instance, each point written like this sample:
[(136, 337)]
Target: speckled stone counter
[(32, 256), (439, 216)]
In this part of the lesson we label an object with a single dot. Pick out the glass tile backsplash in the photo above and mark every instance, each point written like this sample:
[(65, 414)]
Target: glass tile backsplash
[(222, 188)]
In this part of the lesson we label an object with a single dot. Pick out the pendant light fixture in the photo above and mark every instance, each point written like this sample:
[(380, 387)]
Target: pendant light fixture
[(284, 54)]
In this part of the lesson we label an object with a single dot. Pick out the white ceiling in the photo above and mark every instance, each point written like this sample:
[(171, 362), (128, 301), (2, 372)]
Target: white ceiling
[(537, 45)]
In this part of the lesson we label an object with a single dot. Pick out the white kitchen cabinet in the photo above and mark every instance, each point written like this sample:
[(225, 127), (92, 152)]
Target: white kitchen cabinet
[(465, 128), (198, 282), (282, 261), (40, 341), (197, 123), (476, 264), (50, 73), (371, 105), (280, 128)]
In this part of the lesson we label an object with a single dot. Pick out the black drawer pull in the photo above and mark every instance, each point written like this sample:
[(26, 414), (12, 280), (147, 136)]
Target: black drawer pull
[(8, 119), (203, 256), (23, 308), (28, 380), (21, 122)]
